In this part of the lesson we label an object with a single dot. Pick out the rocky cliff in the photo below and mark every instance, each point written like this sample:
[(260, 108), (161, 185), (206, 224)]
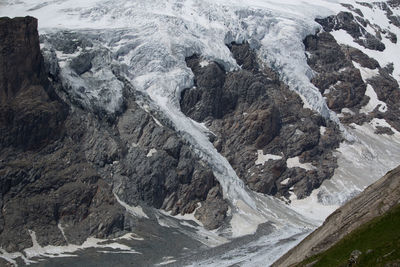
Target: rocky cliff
[(31, 113), (46, 182), (251, 110), (63, 167)]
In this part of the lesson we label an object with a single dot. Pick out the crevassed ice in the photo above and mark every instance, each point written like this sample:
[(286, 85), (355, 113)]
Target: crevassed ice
[(149, 40), (162, 33)]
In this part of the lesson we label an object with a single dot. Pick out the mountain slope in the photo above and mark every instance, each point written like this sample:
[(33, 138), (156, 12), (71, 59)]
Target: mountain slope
[(376, 200), (203, 121), (375, 243)]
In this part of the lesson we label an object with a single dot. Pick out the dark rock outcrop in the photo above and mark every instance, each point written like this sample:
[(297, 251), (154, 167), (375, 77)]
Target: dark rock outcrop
[(62, 166), (346, 21), (257, 113), (387, 90), (31, 114), (336, 77), (341, 83), (46, 182), (50, 188), (161, 170)]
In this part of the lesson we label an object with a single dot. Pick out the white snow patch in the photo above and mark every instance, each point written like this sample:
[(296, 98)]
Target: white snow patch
[(311, 207), (62, 231), (129, 236), (162, 222), (151, 152), (286, 181), (295, 162), (133, 144), (366, 73), (204, 63), (62, 251), (264, 158), (209, 238), (157, 121), (347, 110), (373, 101), (322, 130), (166, 260), (135, 211), (186, 217), (118, 252)]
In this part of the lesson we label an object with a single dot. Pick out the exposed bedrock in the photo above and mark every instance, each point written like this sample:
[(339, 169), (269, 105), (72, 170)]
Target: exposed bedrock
[(346, 21), (30, 113), (259, 124), (159, 168), (388, 91), (62, 164), (46, 182), (338, 77), (335, 76)]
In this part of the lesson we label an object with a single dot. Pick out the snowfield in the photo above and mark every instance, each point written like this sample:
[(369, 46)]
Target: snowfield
[(149, 40)]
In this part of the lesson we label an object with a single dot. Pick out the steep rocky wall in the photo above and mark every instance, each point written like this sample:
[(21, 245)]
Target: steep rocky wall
[(336, 77), (45, 180), (62, 166), (253, 114), (22, 62), (340, 81), (30, 113)]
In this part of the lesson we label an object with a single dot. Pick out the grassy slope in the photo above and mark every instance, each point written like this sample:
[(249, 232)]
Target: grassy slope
[(381, 235)]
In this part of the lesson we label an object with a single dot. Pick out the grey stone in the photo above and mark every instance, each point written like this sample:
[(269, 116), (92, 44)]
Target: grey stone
[(82, 63)]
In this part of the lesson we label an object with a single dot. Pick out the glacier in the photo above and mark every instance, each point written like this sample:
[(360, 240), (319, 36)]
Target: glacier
[(147, 42)]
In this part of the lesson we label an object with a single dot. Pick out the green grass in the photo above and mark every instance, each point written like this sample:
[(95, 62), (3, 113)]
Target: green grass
[(378, 240)]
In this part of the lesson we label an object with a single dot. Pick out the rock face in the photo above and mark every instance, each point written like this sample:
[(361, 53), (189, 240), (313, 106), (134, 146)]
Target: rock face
[(338, 77), (253, 115), (373, 202), (387, 90), (20, 55), (346, 21), (46, 183), (62, 166), (30, 113), (160, 169)]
